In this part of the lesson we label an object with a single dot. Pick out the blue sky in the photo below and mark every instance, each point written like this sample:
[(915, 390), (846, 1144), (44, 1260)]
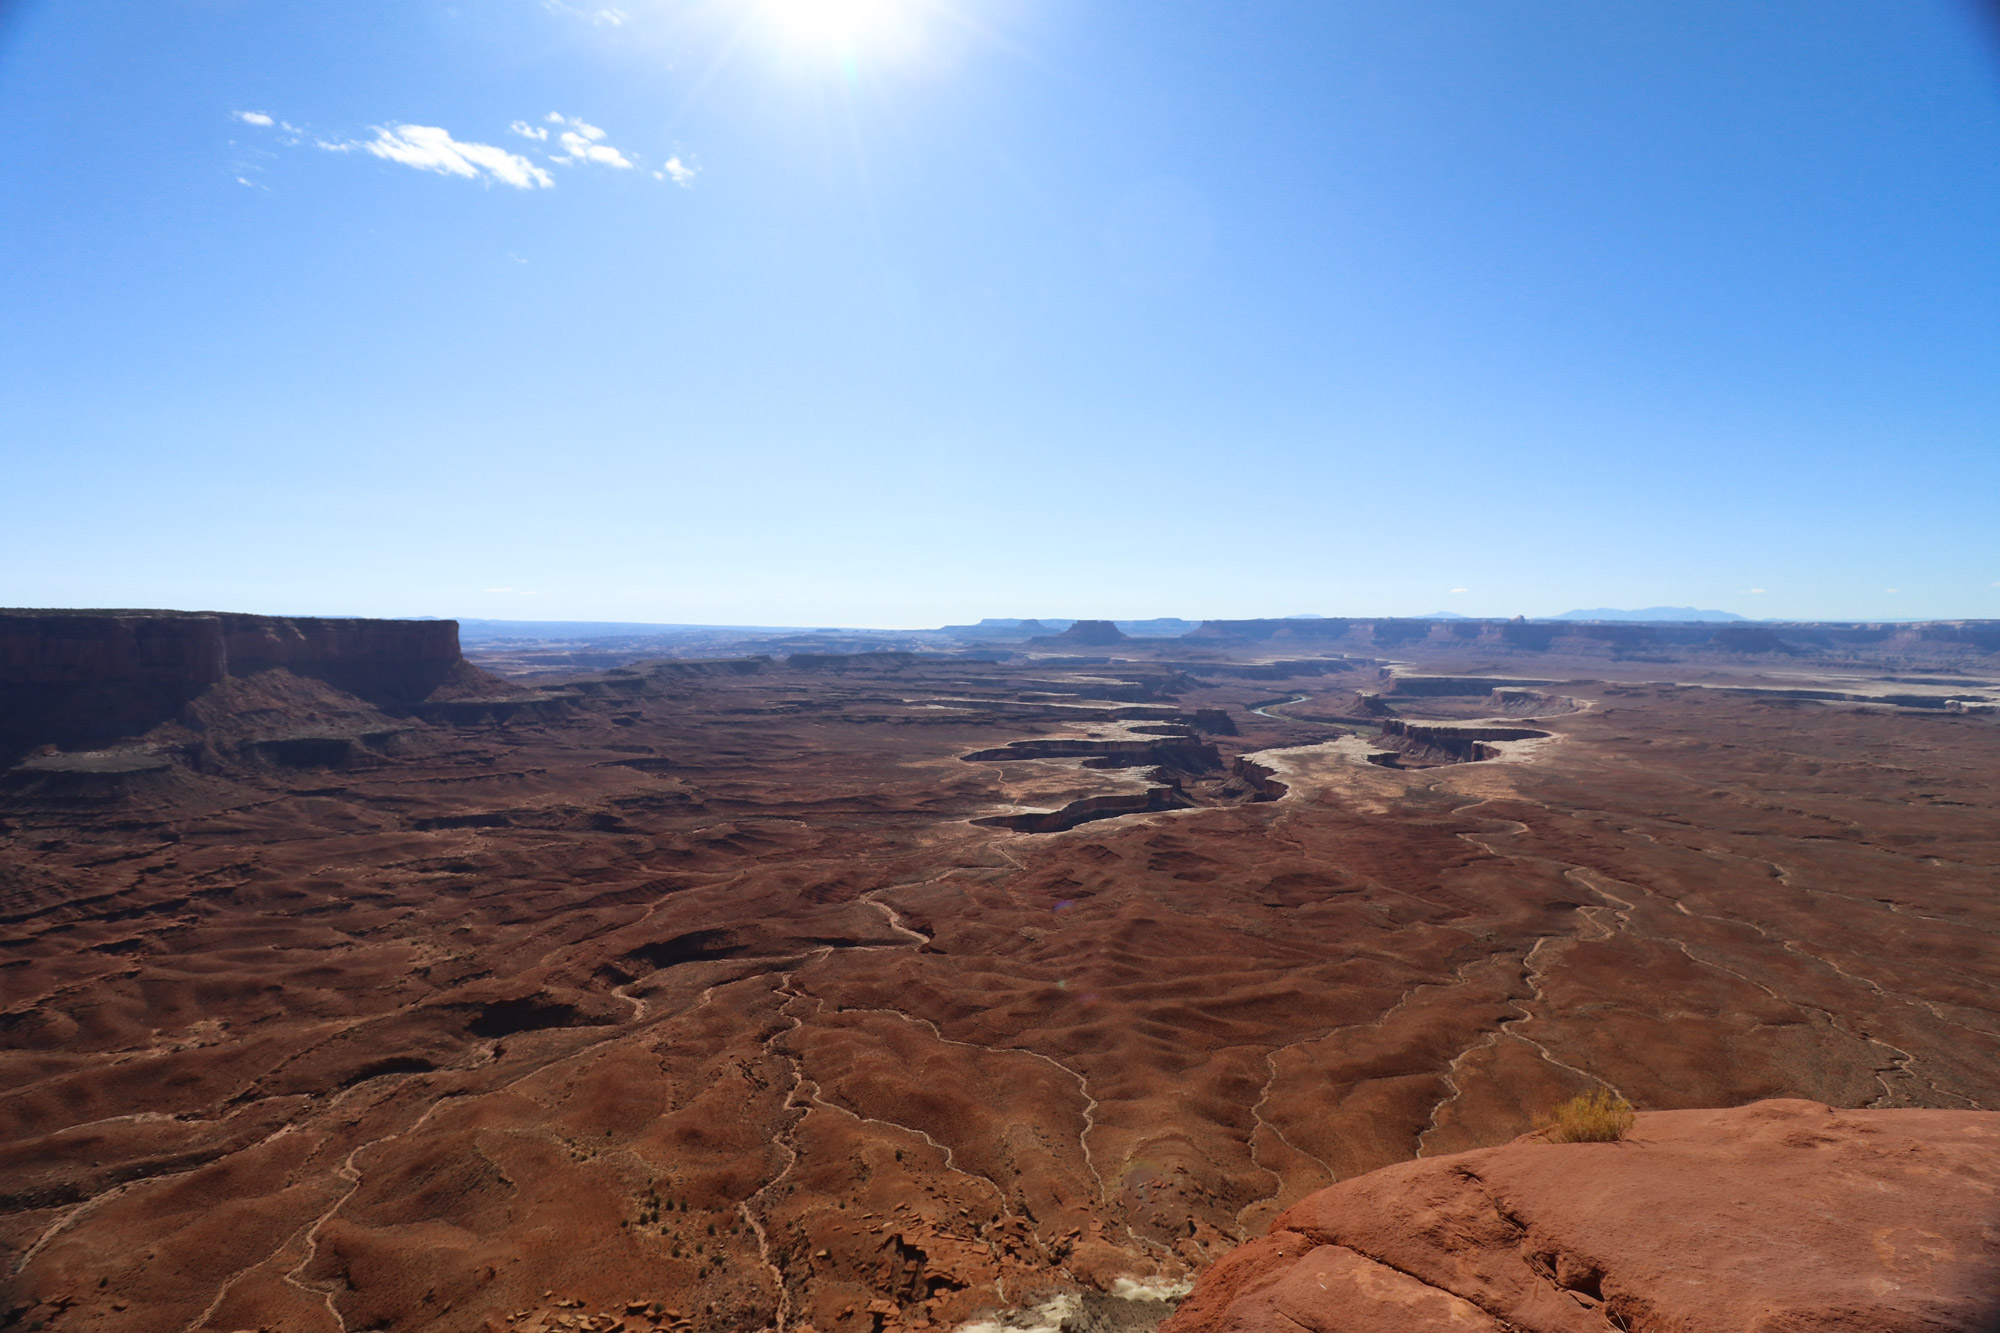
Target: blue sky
[(902, 312)]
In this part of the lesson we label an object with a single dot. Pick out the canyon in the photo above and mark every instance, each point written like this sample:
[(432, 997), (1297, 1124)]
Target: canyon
[(992, 983)]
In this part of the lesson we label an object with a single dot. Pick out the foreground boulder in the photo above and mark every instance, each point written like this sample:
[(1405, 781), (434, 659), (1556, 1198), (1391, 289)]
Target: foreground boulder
[(1778, 1217)]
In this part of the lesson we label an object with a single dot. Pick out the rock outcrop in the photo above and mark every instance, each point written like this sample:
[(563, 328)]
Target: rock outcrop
[(86, 676), (1084, 634), (1444, 743), (1778, 1216)]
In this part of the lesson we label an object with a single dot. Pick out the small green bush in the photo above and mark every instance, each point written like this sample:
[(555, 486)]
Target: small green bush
[(1599, 1116)]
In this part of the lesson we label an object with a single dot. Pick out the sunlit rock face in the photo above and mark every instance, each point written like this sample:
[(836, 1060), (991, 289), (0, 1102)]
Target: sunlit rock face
[(1777, 1215)]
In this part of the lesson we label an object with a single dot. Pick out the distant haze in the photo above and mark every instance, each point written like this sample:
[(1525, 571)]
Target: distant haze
[(1001, 627), (1682, 613)]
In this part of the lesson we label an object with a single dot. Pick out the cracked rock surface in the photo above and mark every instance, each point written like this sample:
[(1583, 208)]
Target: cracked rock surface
[(1780, 1215)]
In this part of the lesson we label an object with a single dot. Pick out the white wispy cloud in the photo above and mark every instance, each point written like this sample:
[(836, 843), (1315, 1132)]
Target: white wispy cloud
[(583, 142), (264, 122), (431, 148), (1752, 592), (577, 142), (581, 149), (1457, 590)]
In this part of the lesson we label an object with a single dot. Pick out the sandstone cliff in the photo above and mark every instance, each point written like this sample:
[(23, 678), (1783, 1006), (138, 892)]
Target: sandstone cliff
[(84, 676)]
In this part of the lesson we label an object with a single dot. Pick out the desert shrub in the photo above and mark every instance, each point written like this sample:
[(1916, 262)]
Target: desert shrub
[(1598, 1116)]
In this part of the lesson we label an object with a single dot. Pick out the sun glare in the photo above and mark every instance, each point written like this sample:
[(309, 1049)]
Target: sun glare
[(839, 23)]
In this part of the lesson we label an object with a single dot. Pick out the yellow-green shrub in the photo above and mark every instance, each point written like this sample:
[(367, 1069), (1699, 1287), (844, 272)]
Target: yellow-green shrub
[(1599, 1116)]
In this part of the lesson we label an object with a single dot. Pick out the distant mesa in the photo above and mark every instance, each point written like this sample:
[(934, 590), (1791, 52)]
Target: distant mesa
[(558, 652), (1159, 627), (1006, 628), (87, 677), (1590, 639), (1084, 634), (1295, 627), (1681, 615)]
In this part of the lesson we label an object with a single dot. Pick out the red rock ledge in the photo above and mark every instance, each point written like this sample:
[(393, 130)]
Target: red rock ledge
[(1778, 1217)]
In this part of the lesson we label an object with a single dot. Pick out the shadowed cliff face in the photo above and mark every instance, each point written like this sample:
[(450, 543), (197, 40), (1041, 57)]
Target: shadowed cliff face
[(706, 990), (68, 677)]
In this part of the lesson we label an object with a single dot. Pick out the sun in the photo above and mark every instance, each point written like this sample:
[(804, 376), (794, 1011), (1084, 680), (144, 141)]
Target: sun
[(838, 23)]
